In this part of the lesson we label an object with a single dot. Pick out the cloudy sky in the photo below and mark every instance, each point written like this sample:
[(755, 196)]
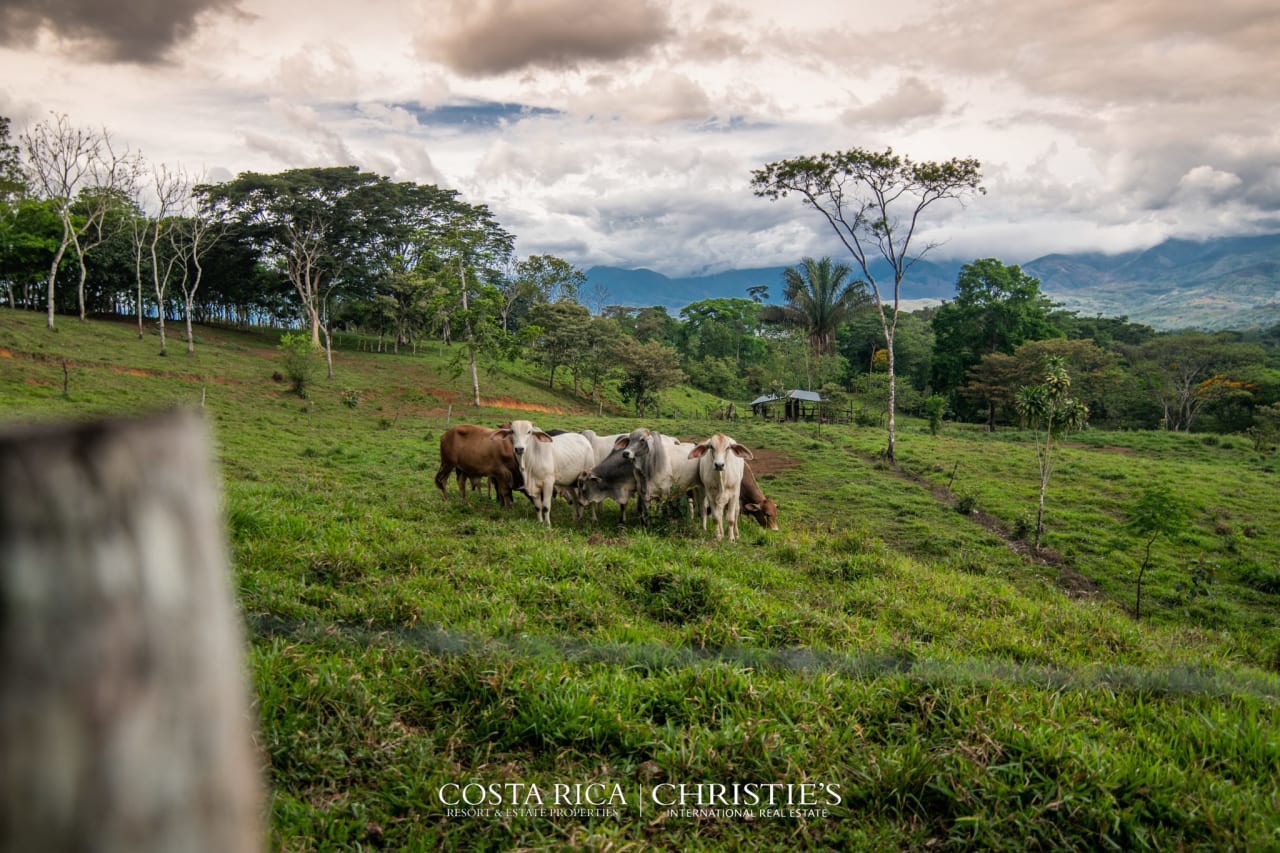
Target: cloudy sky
[(624, 132)]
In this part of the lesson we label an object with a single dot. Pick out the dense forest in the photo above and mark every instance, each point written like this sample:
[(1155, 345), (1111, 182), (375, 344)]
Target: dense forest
[(340, 252)]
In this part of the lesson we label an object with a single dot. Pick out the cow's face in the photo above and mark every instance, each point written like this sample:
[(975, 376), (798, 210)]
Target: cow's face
[(521, 434), (636, 445), (765, 512), (590, 487), (719, 448)]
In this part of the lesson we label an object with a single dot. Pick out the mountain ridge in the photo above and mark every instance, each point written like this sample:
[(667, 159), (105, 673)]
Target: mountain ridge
[(1222, 283)]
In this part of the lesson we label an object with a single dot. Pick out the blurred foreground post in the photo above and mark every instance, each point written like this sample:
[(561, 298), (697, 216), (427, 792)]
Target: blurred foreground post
[(125, 722)]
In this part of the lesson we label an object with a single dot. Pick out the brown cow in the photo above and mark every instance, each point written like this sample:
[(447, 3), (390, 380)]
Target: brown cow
[(471, 450), (754, 502)]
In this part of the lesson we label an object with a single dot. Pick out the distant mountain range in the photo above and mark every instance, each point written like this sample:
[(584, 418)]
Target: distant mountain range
[(1226, 283)]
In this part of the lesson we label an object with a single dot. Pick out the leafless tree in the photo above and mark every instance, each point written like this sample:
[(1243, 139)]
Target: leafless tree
[(172, 189), (62, 162), (191, 236)]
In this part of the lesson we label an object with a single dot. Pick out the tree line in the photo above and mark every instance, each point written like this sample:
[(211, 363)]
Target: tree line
[(89, 228)]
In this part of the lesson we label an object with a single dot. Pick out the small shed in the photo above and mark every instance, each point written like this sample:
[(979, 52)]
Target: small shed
[(795, 405)]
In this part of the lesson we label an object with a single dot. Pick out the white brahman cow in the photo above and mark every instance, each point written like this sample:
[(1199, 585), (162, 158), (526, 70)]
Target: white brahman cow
[(720, 465), (548, 463)]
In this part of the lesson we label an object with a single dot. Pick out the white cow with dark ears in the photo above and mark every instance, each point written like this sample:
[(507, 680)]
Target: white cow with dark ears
[(548, 462)]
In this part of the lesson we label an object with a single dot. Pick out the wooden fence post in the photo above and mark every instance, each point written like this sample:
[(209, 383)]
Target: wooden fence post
[(125, 722)]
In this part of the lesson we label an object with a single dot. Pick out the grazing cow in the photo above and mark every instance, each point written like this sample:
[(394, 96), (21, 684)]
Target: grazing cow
[(547, 463), (469, 449), (720, 465), (614, 478), (754, 501)]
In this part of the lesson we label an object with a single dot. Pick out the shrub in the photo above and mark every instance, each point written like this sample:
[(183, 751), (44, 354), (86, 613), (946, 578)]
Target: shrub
[(301, 360), (934, 408)]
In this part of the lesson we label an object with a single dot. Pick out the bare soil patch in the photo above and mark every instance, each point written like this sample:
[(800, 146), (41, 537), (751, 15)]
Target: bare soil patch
[(770, 463)]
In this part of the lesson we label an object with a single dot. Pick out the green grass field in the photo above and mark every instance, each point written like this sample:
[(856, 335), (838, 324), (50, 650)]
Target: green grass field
[(908, 676)]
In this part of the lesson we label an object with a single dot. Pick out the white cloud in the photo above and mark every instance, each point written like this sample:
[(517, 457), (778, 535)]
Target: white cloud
[(1100, 125)]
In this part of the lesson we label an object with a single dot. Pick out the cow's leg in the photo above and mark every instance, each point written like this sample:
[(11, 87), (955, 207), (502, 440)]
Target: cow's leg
[(548, 496), (503, 487), (442, 478), (719, 509)]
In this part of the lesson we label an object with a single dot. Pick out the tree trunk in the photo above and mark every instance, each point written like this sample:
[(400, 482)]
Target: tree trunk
[(125, 722), (471, 339), (53, 276), (84, 273), (328, 350), (891, 451)]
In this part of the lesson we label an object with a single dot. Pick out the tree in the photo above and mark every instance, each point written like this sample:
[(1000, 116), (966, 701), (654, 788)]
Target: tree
[(647, 369), (13, 183), (13, 189), (29, 235), (102, 209), (562, 337), (190, 239), (550, 279), (476, 241), (995, 380), (1158, 511), (1187, 370), (597, 360), (312, 221), (861, 342), (996, 309), (171, 189), (722, 328), (1050, 412), (819, 297), (64, 161), (873, 201)]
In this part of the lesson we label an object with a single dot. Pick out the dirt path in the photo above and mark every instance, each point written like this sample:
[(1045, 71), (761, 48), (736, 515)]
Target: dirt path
[(1075, 584)]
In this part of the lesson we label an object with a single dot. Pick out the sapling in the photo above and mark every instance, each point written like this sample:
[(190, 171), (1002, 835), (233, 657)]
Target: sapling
[(1157, 511), (1050, 411)]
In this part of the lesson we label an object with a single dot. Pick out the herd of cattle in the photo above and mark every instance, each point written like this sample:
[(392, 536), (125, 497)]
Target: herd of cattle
[(587, 468)]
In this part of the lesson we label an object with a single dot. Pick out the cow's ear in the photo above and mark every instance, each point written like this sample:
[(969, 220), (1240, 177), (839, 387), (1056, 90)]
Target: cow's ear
[(742, 451), (753, 507), (540, 435), (622, 442), (500, 433), (699, 450)]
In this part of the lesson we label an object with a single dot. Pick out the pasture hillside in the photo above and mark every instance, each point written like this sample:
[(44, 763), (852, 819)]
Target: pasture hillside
[(886, 672)]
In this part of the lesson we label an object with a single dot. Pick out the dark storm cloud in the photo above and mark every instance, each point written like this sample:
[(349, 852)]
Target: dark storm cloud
[(141, 31), (498, 36)]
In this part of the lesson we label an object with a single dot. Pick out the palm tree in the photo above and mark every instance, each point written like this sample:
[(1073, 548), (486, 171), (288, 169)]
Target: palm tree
[(819, 297)]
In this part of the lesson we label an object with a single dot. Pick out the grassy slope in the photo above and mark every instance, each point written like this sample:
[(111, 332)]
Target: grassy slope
[(881, 642)]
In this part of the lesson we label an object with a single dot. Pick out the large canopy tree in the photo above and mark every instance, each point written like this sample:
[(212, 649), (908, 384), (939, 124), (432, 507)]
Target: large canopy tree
[(874, 202), (314, 222), (996, 309)]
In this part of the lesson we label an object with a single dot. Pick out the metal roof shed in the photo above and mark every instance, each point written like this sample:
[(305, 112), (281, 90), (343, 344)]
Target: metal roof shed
[(797, 404)]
